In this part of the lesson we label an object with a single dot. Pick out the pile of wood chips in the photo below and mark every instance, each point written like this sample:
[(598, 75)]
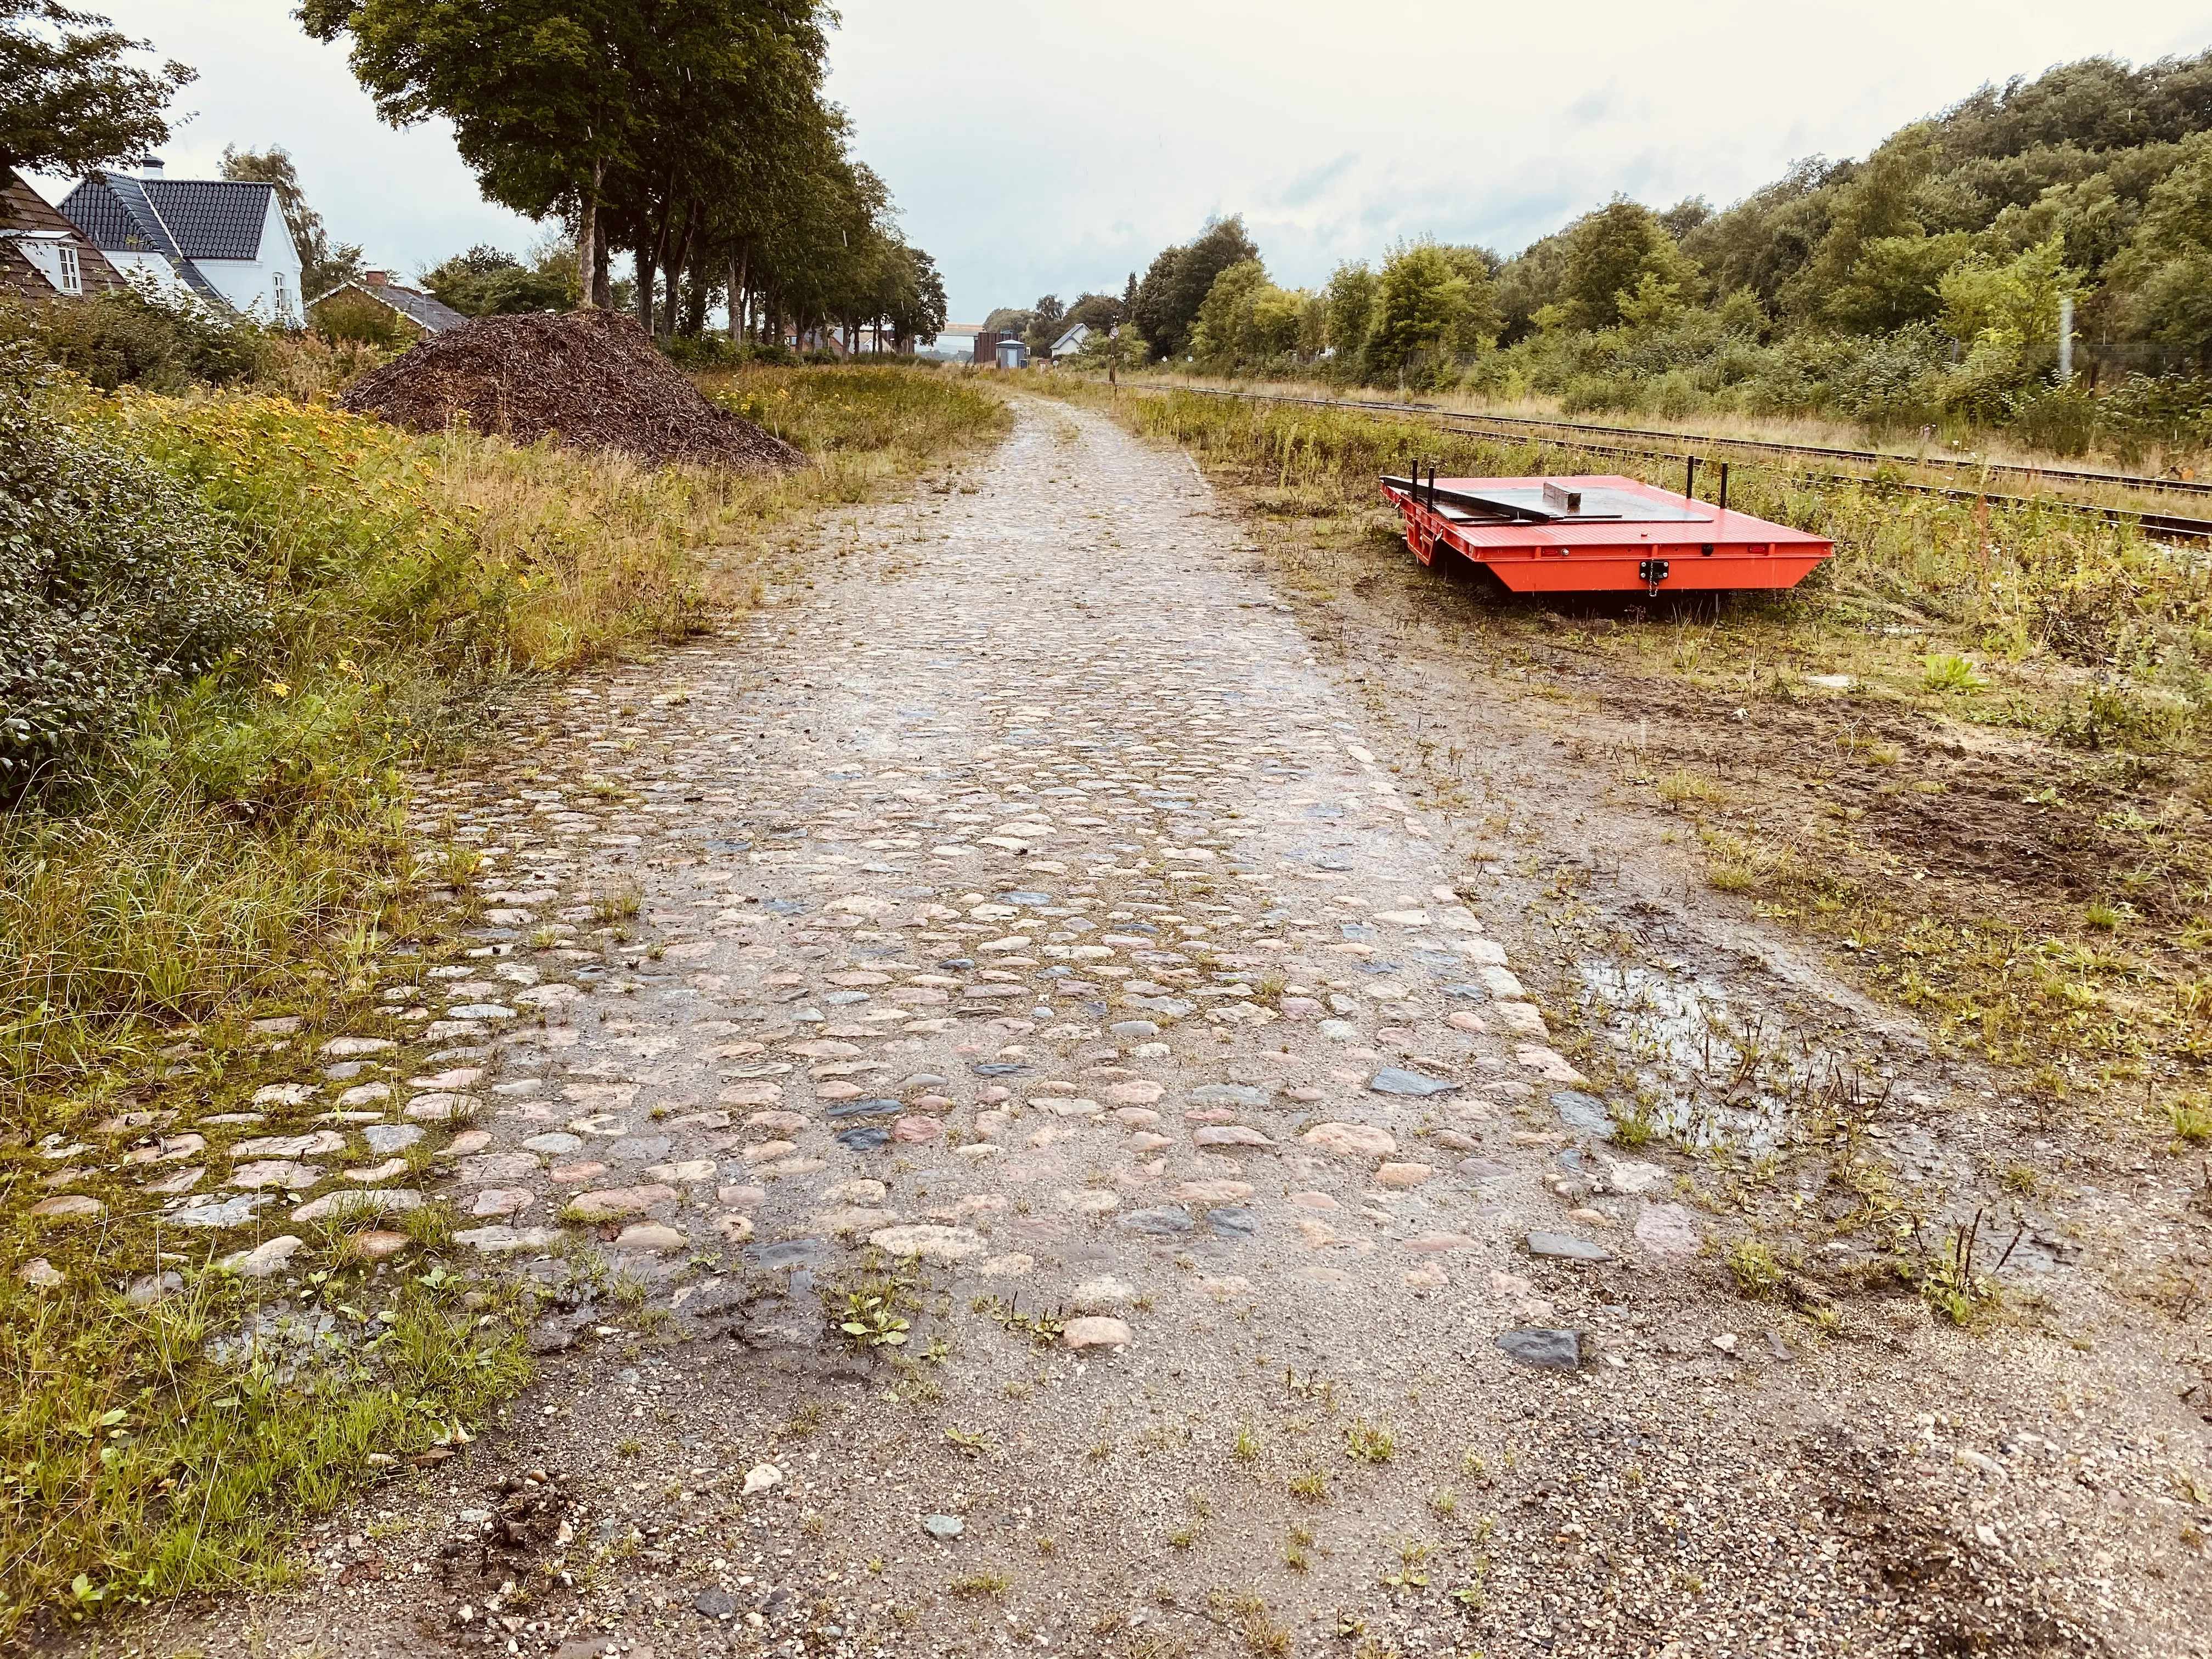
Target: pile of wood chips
[(590, 379)]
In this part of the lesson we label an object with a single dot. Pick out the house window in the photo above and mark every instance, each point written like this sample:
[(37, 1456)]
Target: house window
[(283, 305), (70, 277)]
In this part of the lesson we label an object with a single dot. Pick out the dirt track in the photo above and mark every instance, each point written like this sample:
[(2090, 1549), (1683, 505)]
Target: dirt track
[(1030, 895)]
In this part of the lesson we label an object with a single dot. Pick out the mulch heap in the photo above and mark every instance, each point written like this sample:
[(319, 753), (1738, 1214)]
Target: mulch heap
[(590, 379)]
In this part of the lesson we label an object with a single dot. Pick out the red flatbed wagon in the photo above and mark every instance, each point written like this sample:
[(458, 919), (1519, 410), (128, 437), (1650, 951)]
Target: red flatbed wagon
[(1598, 534)]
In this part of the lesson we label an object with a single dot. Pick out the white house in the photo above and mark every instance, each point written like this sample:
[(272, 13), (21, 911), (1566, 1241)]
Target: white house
[(1071, 342), (220, 239)]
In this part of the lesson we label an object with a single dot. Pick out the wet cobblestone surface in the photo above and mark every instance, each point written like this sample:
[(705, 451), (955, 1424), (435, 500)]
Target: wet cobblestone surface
[(1015, 926)]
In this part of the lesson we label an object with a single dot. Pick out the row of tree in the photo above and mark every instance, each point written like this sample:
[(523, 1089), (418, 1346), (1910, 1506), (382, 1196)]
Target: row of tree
[(1941, 260), (1209, 302), (691, 134)]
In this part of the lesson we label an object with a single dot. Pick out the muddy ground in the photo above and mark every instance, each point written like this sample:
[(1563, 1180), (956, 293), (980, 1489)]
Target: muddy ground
[(1027, 927)]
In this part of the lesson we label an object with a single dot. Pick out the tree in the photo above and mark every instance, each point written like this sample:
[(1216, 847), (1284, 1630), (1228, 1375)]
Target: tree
[(1113, 348), (539, 92), (916, 309), (2015, 303), (1686, 216), (2167, 266), (69, 101), (1168, 300), (1045, 325), (1223, 332), (323, 264), (486, 282), (1895, 280), (1350, 297), (1098, 311), (1878, 202), (1430, 298), (643, 112), (1609, 254), (1766, 239)]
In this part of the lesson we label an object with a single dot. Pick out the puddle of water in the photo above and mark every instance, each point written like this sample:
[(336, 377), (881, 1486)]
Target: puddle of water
[(1714, 1078)]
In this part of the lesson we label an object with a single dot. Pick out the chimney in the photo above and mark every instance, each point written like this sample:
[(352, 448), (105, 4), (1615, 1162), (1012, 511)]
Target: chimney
[(376, 278), (150, 168)]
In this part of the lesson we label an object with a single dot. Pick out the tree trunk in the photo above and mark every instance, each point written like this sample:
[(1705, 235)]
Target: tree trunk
[(603, 287), (588, 241), (736, 300), (650, 263), (679, 256), (696, 286)]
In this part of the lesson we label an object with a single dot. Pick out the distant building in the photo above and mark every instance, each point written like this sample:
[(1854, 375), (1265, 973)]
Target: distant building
[(1071, 342), (223, 240), (42, 255), (1001, 348), (376, 305)]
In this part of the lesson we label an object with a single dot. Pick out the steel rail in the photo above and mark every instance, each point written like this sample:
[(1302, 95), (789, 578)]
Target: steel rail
[(2162, 523), (1767, 445)]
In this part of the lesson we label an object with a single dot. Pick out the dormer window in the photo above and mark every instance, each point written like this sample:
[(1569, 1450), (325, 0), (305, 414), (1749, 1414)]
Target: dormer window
[(53, 255)]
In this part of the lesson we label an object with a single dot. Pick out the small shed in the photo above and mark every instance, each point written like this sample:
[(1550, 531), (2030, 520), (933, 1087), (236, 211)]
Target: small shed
[(375, 307), (1012, 354)]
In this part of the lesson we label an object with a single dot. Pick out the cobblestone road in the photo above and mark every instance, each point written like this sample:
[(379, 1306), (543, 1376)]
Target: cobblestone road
[(1019, 912)]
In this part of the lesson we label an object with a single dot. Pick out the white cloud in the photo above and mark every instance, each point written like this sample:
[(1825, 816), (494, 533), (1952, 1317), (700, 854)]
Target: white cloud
[(1038, 148)]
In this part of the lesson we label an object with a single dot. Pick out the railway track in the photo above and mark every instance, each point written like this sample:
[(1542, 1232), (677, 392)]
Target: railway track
[(1681, 446)]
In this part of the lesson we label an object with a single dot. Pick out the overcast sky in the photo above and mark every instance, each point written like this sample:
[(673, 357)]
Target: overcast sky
[(1037, 149)]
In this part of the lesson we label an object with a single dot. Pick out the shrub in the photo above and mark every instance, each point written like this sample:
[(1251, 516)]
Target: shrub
[(115, 579), (127, 338)]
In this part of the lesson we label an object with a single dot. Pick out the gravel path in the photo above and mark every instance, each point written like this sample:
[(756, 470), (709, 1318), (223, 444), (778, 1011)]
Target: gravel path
[(1015, 928)]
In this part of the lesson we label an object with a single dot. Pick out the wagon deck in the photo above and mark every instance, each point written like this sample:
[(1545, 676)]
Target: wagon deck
[(1598, 533)]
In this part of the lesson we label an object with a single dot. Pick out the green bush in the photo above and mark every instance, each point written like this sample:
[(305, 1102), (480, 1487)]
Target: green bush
[(127, 338), (113, 580)]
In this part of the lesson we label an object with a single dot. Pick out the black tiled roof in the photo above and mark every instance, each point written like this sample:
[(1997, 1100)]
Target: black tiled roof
[(183, 218), (432, 314), (212, 218), (94, 208)]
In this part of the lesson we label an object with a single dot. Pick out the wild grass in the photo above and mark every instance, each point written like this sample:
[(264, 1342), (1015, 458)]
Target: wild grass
[(861, 422), (1956, 437), (138, 1467)]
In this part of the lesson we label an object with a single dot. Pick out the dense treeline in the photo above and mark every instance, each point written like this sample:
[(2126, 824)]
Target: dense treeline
[(1920, 285), (690, 134)]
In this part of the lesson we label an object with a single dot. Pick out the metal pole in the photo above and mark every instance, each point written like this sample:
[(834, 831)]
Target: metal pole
[(1690, 479), (2065, 338), (1723, 501)]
